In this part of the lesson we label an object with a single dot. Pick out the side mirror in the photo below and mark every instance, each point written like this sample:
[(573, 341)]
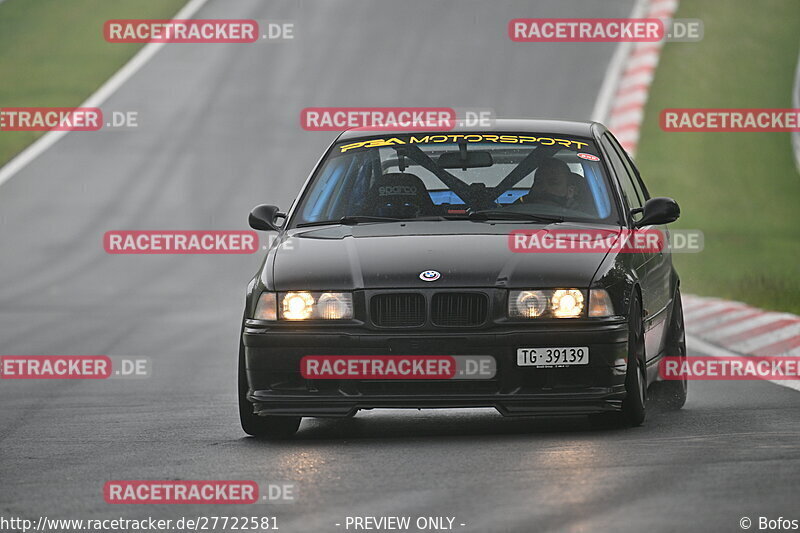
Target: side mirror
[(659, 211), (263, 216)]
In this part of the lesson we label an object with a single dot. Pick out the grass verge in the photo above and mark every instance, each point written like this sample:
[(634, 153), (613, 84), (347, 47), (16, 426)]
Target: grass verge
[(741, 189), (52, 53)]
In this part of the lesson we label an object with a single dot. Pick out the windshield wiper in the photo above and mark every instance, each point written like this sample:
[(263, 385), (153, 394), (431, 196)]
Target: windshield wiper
[(350, 220), (501, 214)]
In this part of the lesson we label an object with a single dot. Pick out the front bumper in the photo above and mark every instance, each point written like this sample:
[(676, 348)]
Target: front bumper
[(273, 355)]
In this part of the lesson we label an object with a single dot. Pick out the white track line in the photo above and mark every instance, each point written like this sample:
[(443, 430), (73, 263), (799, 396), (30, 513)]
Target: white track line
[(602, 106), (101, 95), (634, 75), (716, 351)]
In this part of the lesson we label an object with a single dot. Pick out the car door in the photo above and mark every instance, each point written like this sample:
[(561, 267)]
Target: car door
[(661, 274), (656, 284)]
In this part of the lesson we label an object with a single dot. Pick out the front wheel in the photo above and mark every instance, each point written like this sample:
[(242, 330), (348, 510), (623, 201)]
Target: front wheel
[(635, 402), (266, 427), (672, 393)]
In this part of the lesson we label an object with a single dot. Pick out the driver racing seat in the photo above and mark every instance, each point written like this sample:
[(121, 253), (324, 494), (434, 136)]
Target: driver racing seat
[(398, 195)]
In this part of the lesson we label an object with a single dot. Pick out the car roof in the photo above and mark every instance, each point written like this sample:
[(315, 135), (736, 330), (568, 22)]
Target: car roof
[(563, 127)]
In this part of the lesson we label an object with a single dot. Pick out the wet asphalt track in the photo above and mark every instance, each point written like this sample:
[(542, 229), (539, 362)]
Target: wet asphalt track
[(219, 133)]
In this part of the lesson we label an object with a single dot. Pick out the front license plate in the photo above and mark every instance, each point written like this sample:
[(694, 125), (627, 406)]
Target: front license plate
[(553, 357)]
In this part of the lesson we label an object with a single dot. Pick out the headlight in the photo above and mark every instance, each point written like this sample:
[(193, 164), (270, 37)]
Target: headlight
[(554, 303), (527, 304), (316, 305), (335, 305), (567, 303), (297, 306)]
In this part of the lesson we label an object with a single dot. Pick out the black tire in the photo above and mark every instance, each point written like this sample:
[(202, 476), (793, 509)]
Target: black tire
[(266, 427), (671, 394), (635, 403)]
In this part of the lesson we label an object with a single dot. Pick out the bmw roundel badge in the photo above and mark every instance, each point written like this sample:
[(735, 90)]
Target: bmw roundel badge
[(429, 275)]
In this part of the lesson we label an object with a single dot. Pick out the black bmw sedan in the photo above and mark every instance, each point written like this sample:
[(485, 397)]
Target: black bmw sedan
[(463, 268)]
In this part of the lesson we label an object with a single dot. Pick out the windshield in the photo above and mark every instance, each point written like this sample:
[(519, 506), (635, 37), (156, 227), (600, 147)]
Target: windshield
[(451, 176)]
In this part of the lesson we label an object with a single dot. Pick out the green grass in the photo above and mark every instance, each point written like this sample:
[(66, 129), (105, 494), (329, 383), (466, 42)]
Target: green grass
[(741, 189), (52, 53)]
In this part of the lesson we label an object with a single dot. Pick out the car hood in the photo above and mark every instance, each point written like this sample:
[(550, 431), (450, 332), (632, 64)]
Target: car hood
[(393, 255)]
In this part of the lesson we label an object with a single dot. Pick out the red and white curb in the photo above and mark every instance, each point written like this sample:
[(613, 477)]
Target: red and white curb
[(723, 328), (625, 90)]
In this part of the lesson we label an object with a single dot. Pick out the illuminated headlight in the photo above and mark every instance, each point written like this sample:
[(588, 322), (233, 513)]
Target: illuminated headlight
[(316, 305), (567, 303), (297, 306), (557, 303)]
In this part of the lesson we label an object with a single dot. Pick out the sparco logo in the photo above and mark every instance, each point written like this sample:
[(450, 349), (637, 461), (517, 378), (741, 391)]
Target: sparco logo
[(397, 189)]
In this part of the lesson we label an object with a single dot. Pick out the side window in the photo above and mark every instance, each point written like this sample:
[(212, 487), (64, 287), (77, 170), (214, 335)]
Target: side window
[(632, 170), (624, 173)]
